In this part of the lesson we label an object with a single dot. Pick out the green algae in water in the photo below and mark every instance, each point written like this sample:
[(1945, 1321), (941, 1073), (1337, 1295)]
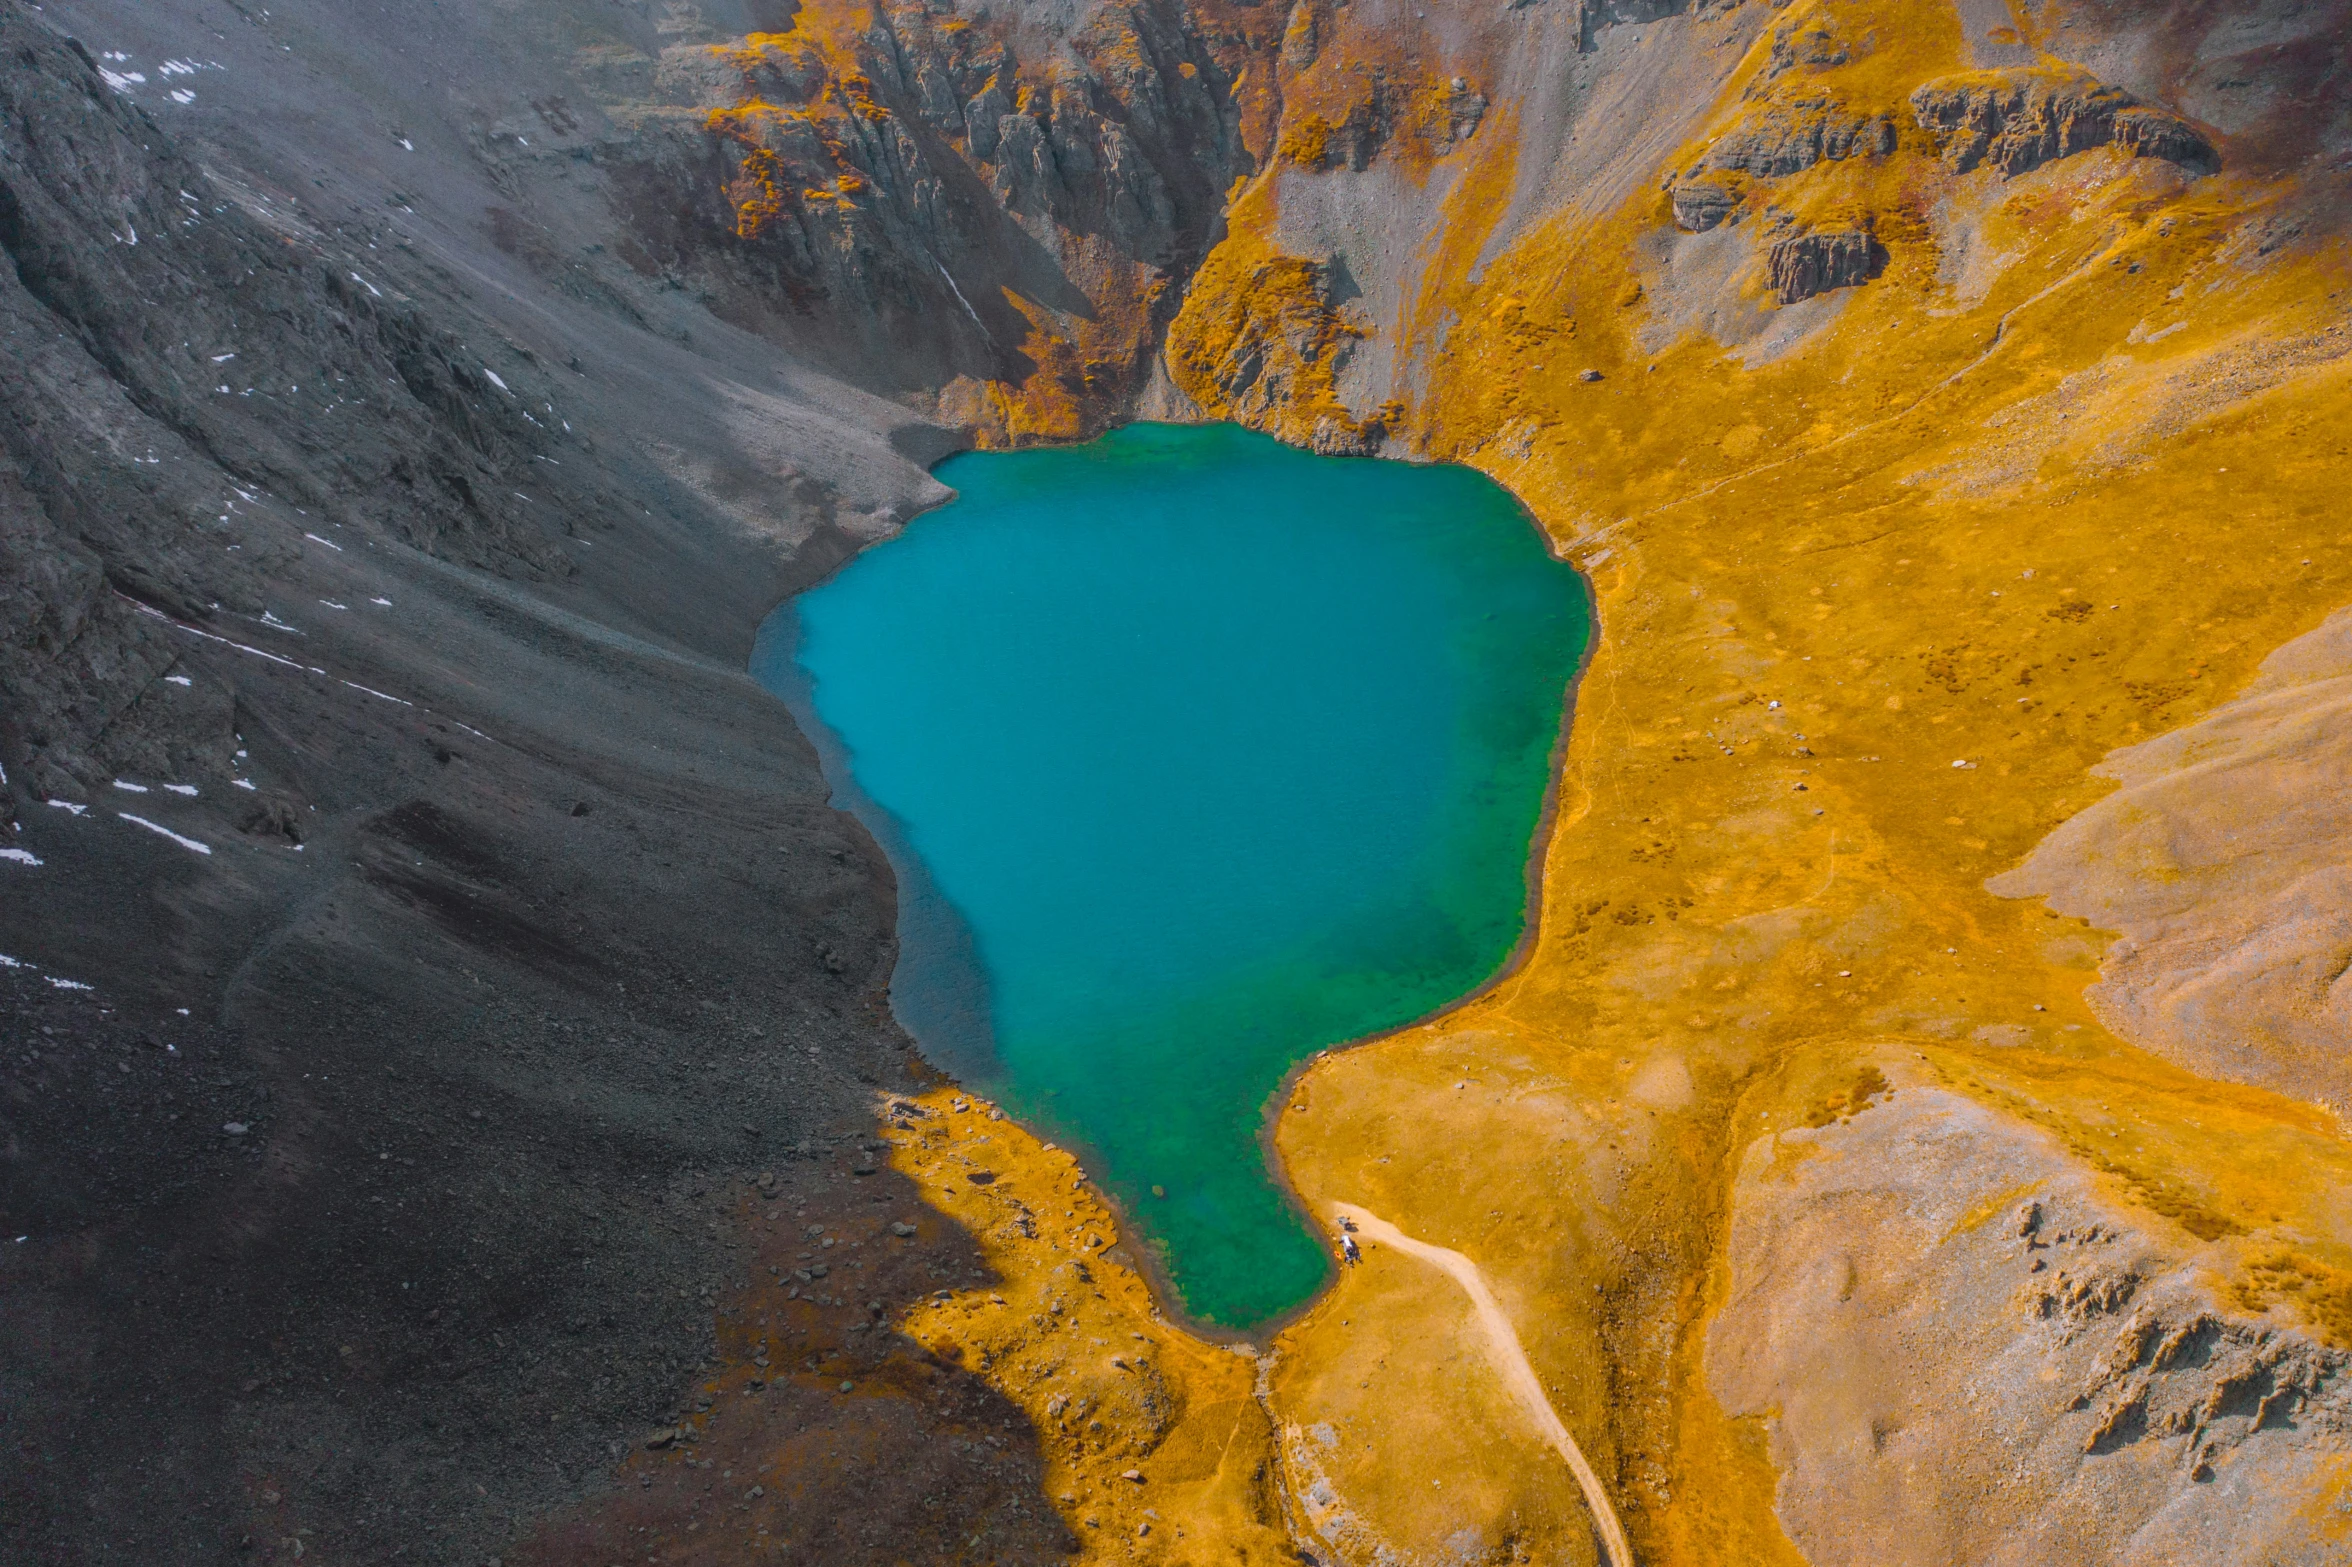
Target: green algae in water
[(1194, 754)]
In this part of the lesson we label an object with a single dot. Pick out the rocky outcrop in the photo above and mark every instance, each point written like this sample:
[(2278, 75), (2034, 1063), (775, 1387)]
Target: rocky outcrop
[(1263, 336), (1351, 141), (1804, 265), (1791, 138), (1774, 142), (2018, 120), (1700, 205), (1788, 123), (1808, 40), (1430, 121), (2173, 1366)]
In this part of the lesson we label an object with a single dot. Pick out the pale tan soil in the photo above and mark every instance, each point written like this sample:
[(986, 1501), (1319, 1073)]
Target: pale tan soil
[(1958, 1336), (2224, 861)]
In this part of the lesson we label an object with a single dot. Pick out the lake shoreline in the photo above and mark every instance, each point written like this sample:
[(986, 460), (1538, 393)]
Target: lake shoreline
[(949, 1042)]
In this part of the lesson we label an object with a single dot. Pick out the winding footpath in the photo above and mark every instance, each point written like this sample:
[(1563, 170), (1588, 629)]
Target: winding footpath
[(1503, 1340)]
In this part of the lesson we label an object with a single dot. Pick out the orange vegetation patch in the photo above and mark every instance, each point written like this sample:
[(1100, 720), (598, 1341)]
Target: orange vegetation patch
[(1259, 338)]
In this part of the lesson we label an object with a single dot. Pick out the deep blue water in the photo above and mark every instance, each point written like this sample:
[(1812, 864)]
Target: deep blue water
[(1195, 754)]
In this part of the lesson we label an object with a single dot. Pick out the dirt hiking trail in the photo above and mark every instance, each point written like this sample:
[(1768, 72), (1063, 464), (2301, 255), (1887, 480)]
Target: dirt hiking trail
[(1503, 1340)]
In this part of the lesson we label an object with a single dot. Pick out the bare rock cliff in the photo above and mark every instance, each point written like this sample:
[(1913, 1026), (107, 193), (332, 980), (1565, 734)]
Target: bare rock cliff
[(2014, 121)]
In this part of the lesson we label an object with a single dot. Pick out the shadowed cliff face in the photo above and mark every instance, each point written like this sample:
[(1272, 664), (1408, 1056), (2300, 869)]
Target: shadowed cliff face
[(989, 213), (374, 742)]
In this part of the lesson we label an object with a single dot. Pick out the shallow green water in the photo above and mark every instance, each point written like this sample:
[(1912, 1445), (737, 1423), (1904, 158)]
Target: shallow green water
[(1194, 754)]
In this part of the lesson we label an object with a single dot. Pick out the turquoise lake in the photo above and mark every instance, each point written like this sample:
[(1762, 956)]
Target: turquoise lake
[(1194, 754)]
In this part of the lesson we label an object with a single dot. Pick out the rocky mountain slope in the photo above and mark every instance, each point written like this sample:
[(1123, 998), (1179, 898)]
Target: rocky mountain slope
[(450, 1106)]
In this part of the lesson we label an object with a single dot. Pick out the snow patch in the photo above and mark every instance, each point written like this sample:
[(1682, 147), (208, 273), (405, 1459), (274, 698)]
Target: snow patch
[(187, 789), (209, 637), (329, 543), (493, 377), (125, 784), (21, 856), (68, 805), (179, 680), (67, 984), (185, 843), (371, 691)]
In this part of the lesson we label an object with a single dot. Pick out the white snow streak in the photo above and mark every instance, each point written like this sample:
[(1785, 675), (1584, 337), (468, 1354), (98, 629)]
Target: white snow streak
[(371, 691), (185, 843)]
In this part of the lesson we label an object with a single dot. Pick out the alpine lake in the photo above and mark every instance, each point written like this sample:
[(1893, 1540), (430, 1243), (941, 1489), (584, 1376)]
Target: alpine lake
[(1194, 754)]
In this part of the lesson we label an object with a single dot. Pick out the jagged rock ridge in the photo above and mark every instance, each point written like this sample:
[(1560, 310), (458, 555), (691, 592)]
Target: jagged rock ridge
[(2019, 120)]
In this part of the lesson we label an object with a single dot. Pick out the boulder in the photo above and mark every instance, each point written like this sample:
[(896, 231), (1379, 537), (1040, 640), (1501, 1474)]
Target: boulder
[(1700, 205), (1804, 265)]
